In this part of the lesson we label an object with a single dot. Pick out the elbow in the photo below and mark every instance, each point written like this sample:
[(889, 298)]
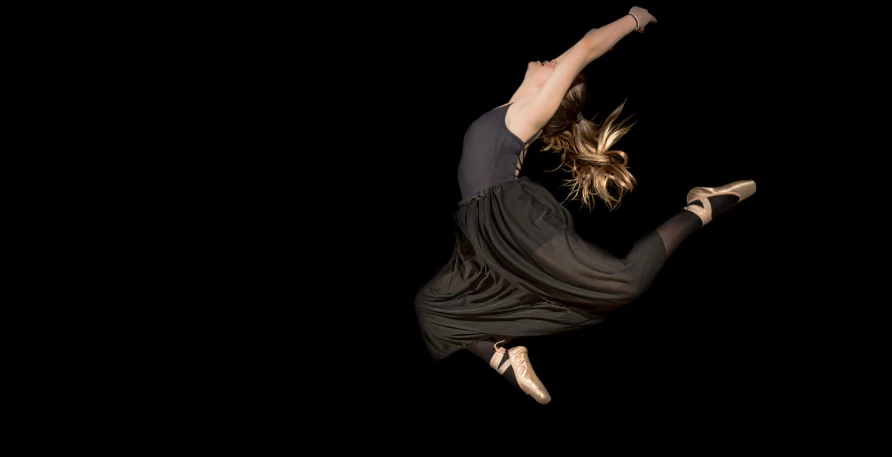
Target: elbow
[(597, 42)]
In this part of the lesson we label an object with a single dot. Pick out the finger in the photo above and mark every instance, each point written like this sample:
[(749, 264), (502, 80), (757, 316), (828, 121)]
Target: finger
[(653, 19)]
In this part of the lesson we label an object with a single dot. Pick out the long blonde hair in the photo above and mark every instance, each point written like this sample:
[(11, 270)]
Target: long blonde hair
[(596, 170)]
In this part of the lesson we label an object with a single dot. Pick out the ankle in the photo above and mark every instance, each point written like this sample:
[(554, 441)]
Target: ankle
[(702, 209), (501, 362)]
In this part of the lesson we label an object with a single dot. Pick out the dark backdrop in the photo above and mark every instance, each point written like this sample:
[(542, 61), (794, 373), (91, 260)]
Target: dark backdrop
[(710, 335), (346, 208), (319, 184)]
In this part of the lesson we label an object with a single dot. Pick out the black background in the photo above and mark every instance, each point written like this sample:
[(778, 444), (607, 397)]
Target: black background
[(711, 332), (344, 209)]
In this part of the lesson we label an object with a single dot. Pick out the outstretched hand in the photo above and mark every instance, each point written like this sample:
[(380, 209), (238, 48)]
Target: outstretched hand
[(644, 18)]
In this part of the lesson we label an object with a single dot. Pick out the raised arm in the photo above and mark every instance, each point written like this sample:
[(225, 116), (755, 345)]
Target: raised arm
[(561, 57), (534, 112)]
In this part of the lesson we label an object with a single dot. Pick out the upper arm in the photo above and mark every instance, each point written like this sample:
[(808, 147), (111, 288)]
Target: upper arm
[(534, 112)]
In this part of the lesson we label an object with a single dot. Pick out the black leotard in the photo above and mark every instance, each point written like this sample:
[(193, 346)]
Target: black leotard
[(489, 154)]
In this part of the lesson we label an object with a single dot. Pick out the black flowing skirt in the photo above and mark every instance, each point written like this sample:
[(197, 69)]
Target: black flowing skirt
[(519, 269)]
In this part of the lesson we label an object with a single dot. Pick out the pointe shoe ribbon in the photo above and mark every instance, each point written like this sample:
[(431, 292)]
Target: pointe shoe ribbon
[(497, 357), (518, 357), (705, 212)]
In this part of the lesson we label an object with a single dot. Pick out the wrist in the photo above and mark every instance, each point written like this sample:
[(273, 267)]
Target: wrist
[(633, 18)]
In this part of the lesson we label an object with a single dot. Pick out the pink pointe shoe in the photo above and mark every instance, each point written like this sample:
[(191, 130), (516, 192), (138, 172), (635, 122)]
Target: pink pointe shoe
[(741, 189), (518, 357)]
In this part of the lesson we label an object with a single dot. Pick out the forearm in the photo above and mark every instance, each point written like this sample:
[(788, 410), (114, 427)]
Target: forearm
[(600, 40)]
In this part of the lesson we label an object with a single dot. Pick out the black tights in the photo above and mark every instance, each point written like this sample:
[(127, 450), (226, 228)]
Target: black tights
[(672, 232), (683, 224)]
